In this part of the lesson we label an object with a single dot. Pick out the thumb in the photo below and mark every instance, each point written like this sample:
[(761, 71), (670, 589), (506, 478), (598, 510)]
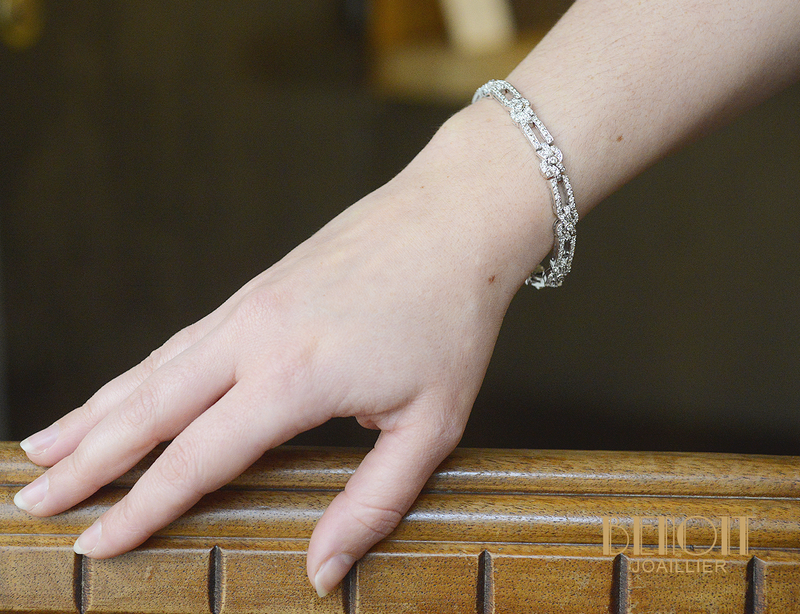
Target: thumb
[(372, 504)]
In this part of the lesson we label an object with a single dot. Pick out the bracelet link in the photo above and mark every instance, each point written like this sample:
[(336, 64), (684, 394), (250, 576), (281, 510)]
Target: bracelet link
[(553, 169)]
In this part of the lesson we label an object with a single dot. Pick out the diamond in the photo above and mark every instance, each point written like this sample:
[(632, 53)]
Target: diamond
[(553, 169)]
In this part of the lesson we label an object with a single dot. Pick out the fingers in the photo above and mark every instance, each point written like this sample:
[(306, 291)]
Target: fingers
[(60, 439), (215, 448), (156, 411), (372, 504)]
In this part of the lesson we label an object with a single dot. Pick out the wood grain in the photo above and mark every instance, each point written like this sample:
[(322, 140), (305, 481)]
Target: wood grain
[(494, 531)]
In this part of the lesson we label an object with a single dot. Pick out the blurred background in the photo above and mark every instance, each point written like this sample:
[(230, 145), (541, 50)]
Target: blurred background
[(157, 155)]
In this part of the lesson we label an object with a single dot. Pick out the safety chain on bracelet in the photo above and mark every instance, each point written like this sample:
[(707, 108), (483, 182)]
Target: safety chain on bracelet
[(552, 168)]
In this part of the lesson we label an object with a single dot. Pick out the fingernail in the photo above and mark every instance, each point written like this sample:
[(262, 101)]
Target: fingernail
[(39, 442), (332, 572), (87, 542), (33, 494)]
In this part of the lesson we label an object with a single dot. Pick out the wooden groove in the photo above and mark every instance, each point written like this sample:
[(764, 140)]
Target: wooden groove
[(215, 580), (78, 584), (485, 590), (620, 589), (755, 598), (349, 590)]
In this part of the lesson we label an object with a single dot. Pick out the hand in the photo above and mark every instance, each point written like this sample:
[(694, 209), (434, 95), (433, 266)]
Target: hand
[(388, 314)]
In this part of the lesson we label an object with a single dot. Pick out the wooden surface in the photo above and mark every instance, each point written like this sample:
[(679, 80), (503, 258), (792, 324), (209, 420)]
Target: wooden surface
[(508, 531)]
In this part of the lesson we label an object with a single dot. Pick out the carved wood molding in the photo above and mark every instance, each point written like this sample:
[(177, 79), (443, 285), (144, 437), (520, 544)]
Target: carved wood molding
[(495, 531)]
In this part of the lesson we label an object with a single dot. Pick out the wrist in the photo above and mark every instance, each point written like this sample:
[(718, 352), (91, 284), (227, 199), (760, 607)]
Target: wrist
[(489, 189)]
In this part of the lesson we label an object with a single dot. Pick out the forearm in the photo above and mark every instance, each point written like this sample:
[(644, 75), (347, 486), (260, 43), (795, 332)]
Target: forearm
[(623, 82), (620, 84)]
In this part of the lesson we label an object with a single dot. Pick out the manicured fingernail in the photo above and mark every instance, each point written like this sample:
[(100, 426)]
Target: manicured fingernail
[(33, 494), (332, 572), (87, 542), (39, 442)]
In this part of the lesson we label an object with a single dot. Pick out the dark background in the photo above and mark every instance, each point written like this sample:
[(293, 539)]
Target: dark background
[(155, 156)]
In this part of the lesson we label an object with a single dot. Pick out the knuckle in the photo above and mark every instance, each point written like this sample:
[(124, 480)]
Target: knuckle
[(443, 430), (179, 342), (287, 370), (126, 514), (448, 435), (89, 414), (258, 307), (128, 521), (185, 337), (174, 346), (179, 467), (378, 520), (293, 349), (151, 363), (141, 408), (82, 471)]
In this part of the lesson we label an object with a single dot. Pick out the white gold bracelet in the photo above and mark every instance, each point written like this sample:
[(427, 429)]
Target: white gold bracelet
[(552, 168)]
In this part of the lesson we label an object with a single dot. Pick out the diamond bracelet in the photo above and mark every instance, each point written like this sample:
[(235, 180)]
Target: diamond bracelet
[(552, 168)]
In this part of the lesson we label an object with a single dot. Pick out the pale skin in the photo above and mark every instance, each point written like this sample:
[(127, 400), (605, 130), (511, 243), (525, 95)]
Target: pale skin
[(391, 311)]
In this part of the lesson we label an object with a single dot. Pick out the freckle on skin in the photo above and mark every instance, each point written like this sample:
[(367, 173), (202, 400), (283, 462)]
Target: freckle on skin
[(491, 279), (619, 138)]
